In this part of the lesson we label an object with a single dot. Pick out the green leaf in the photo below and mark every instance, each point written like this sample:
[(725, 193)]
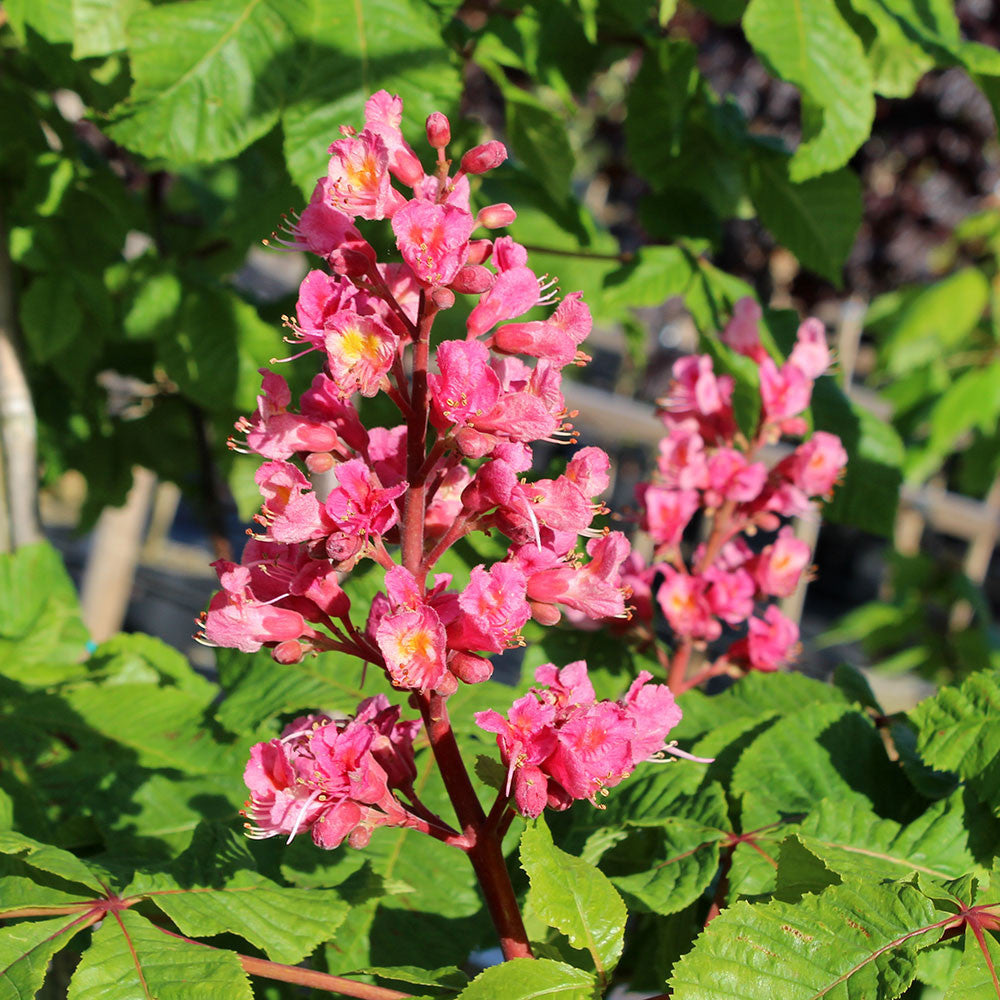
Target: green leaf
[(853, 840), (849, 941), (49, 859), (156, 301), (817, 219), (210, 77), (217, 346), (213, 889), (897, 59), (656, 274), (42, 638), (132, 657), (539, 139), (824, 750), (99, 25), (164, 726), (972, 400), (50, 315), (933, 321), (350, 50), (17, 892), (976, 978), (131, 958), (800, 872), (959, 730), (756, 695), (530, 979), (869, 494), (575, 898), (25, 951), (808, 43), (657, 104)]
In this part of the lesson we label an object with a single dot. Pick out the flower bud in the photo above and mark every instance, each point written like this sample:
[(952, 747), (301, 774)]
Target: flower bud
[(438, 130), (319, 462), (444, 298), (469, 667), (289, 651), (353, 259), (479, 251), (496, 216), (479, 159), (472, 279)]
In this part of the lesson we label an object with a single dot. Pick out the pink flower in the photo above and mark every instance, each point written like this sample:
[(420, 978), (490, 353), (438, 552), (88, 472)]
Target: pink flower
[(731, 477), (730, 594), (433, 239), (360, 351), (383, 115), (666, 512), (358, 505), (784, 392), (811, 355), (494, 609), (684, 600), (291, 511), (779, 566), (238, 620), (770, 642), (556, 338), (559, 744), (359, 177), (275, 433), (682, 461), (815, 466), (321, 229), (513, 293), (328, 778), (742, 332)]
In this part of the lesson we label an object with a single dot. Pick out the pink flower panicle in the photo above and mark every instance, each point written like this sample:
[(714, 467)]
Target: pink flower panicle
[(706, 464), (560, 744), (401, 502), (336, 780)]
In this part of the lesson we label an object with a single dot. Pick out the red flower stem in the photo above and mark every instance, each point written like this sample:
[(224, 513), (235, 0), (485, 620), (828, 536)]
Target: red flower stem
[(485, 851), (497, 812), (721, 666), (459, 527), (678, 667), (415, 504)]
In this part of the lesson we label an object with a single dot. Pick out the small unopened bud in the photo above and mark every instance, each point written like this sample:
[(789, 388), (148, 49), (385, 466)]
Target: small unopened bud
[(470, 668), (496, 216), (479, 159), (479, 251), (472, 279), (438, 130), (289, 651), (319, 462), (444, 298), (353, 259), (544, 614)]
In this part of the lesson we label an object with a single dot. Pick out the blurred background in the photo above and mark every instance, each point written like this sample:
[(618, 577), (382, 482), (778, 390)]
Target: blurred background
[(667, 159)]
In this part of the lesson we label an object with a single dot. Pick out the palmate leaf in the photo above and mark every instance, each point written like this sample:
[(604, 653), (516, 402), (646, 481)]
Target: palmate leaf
[(210, 77), (959, 730), (25, 951), (46, 858), (977, 977), (852, 940), (574, 897), (17, 892), (130, 959), (530, 979), (808, 43)]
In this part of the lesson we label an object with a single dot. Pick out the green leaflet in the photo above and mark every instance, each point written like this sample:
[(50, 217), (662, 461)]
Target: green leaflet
[(530, 979), (574, 897), (210, 77), (130, 958), (25, 951), (808, 43), (849, 941), (959, 730)]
